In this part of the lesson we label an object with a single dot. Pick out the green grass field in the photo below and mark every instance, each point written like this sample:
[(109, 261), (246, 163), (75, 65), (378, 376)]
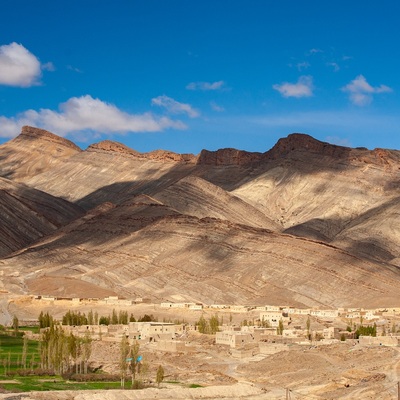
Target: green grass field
[(11, 349), (11, 363)]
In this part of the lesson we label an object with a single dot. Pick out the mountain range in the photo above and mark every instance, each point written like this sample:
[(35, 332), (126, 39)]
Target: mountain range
[(305, 223)]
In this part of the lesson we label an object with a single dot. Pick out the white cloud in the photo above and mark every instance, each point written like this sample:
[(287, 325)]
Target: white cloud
[(361, 92), (334, 65), (302, 88), (315, 51), (216, 107), (71, 68), (174, 107), (86, 114), (18, 67), (49, 66), (303, 65), (338, 141), (205, 85)]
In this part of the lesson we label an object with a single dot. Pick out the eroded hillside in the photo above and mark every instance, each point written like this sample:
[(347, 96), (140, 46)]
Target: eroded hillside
[(304, 223)]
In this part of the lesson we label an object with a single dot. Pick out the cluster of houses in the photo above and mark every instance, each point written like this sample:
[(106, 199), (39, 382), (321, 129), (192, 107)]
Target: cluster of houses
[(348, 313), (110, 300), (274, 332), (245, 341), (164, 336)]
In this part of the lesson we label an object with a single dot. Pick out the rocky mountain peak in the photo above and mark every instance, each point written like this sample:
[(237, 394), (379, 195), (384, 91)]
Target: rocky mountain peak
[(111, 146), (32, 133), (227, 156), (158, 155), (301, 142)]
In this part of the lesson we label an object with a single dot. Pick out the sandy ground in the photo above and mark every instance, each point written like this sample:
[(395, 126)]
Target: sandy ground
[(232, 392)]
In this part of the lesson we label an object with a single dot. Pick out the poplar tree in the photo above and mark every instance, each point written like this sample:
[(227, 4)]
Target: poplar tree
[(134, 363), (124, 351), (24, 352), (160, 375), (15, 325)]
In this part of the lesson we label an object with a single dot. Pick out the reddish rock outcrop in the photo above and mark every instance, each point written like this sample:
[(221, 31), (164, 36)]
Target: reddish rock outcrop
[(301, 142), (227, 157), (157, 155), (108, 145)]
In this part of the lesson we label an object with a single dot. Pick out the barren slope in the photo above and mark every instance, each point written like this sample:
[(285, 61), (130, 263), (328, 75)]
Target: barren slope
[(109, 172), (209, 228), (319, 193), (150, 250), (28, 214), (33, 152), (197, 197)]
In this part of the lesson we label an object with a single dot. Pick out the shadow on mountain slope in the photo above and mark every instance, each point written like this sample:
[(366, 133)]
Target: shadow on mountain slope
[(376, 231)]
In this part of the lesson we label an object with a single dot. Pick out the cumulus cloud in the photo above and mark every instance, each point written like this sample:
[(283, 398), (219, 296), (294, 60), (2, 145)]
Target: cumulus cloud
[(302, 88), (18, 66), (174, 107), (361, 92), (80, 114), (205, 85)]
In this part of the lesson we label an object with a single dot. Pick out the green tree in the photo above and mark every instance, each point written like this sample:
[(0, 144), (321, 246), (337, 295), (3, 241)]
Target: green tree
[(147, 318), (160, 375), (123, 317), (123, 363), (104, 320), (365, 331), (202, 325), (135, 360), (87, 350), (24, 352), (74, 349), (15, 325), (214, 324), (279, 330), (114, 317), (90, 318), (308, 324)]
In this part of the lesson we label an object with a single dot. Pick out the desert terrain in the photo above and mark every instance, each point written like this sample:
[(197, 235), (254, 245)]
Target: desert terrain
[(305, 224)]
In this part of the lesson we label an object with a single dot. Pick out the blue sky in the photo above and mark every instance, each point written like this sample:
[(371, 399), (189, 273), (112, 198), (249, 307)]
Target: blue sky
[(185, 75)]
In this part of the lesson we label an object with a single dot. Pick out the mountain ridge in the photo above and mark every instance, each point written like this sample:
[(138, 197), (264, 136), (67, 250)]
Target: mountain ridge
[(302, 223)]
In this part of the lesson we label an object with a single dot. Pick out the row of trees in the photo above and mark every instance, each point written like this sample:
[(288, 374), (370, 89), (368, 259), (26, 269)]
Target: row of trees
[(211, 326), (60, 351), (63, 352), (115, 318), (45, 320)]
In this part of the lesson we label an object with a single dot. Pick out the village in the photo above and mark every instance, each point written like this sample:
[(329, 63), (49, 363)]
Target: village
[(262, 349), (246, 331)]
